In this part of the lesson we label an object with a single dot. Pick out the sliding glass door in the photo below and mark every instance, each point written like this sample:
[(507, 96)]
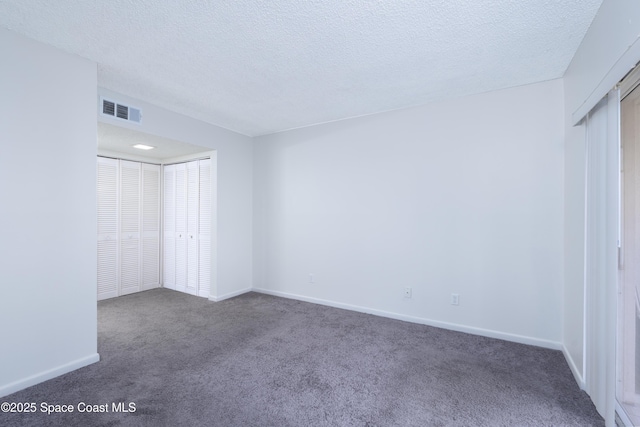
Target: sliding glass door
[(628, 342)]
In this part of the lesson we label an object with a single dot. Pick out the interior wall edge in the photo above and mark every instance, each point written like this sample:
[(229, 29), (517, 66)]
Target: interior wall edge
[(208, 154), (229, 295), (608, 50), (577, 375), (619, 69), (23, 383), (128, 157), (521, 339)]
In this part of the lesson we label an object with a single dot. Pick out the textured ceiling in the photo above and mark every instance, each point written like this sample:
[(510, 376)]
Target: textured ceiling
[(259, 67)]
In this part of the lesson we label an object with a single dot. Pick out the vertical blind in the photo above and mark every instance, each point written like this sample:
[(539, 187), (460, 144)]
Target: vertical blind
[(601, 252)]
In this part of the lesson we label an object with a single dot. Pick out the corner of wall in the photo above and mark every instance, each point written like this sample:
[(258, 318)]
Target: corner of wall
[(577, 374)]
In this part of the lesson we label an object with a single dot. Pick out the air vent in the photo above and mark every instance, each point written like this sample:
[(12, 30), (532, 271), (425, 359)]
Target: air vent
[(108, 108), (123, 112), (120, 111)]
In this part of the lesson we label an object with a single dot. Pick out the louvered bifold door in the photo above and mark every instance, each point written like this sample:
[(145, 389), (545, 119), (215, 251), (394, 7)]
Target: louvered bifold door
[(150, 254), (204, 229), (181, 227), (129, 227), (169, 221), (193, 209), (107, 201)]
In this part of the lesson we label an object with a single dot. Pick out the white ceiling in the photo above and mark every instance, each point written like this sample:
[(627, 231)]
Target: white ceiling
[(119, 140), (259, 67)]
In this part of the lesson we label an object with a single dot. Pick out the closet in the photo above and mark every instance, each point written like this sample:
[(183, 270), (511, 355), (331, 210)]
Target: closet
[(187, 227), (128, 204)]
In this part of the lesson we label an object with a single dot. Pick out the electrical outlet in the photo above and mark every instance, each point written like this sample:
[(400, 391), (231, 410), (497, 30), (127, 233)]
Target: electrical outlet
[(311, 282), (455, 299), (407, 292)]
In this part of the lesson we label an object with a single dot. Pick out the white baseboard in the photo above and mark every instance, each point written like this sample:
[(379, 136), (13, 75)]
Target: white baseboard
[(423, 321), (47, 375), (574, 369), (229, 295)]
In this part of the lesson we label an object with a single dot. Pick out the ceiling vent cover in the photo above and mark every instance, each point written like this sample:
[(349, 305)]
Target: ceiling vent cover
[(120, 111)]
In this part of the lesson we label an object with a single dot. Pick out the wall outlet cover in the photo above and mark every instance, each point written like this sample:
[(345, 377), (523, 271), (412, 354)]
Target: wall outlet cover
[(455, 299)]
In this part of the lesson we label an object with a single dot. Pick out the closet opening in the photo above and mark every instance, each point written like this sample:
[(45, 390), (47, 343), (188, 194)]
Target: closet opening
[(156, 214)]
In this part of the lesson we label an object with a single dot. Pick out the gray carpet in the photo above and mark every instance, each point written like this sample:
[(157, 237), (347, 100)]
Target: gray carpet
[(258, 360)]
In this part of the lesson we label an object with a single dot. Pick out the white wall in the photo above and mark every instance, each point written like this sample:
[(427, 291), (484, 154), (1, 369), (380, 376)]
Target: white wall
[(463, 196), (234, 182), (48, 212), (609, 50)]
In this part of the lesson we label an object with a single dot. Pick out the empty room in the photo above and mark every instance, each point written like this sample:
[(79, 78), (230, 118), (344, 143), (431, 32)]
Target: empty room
[(390, 213)]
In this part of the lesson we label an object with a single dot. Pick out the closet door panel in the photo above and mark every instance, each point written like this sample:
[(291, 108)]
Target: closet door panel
[(204, 229), (169, 221), (107, 269), (192, 227), (150, 255), (181, 227), (107, 204), (187, 227), (129, 227), (130, 266)]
